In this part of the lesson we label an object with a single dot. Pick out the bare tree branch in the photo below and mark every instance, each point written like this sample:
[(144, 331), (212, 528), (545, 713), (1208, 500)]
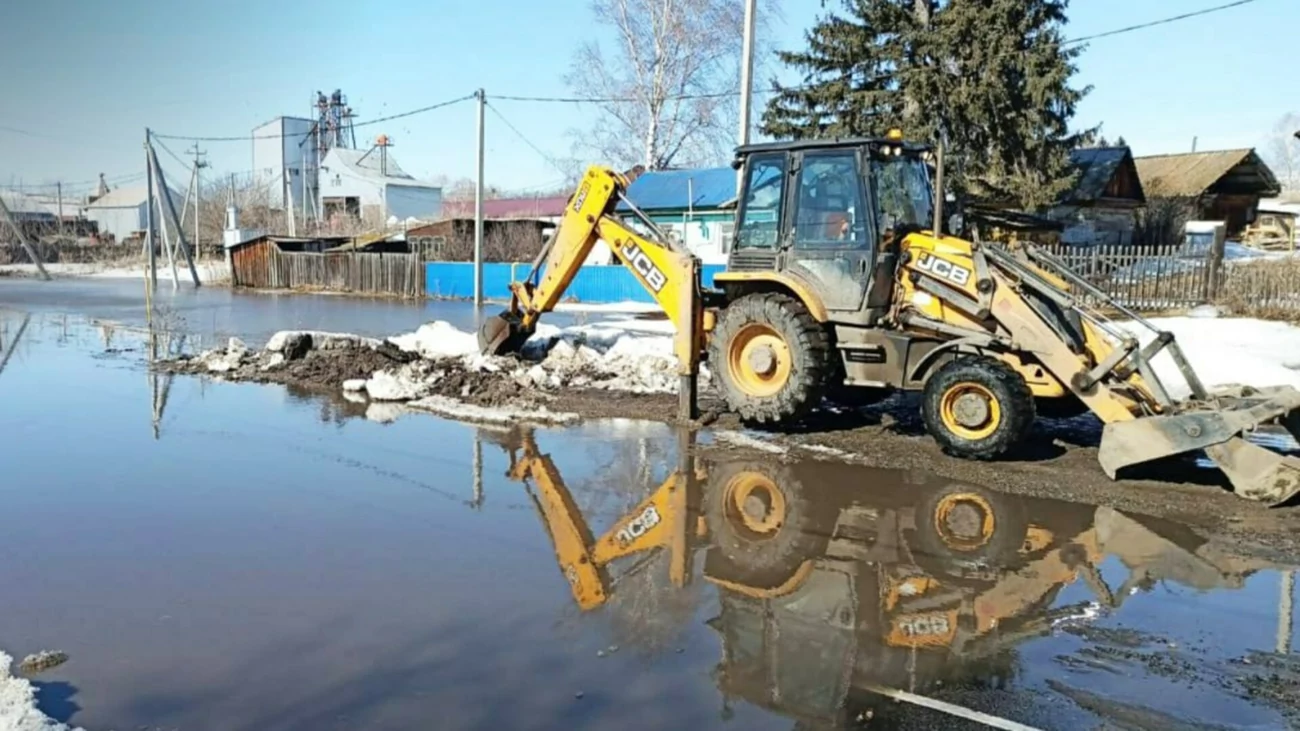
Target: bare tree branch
[(658, 81)]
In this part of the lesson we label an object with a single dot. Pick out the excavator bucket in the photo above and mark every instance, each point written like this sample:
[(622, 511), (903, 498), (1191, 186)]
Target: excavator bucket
[(1217, 426), (502, 334)]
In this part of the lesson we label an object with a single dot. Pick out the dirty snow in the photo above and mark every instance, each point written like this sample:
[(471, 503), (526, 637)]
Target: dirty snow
[(492, 415), (18, 711), (1227, 351), (741, 439), (406, 383)]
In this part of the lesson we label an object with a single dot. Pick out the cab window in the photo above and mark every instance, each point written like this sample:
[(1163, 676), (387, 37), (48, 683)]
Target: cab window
[(829, 210), (760, 215)]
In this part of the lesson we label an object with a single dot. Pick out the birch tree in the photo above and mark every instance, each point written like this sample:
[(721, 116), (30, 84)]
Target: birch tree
[(667, 74), (1283, 152)]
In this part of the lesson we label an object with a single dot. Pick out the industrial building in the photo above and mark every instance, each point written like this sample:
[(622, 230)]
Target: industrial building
[(121, 213), (285, 160), (369, 185), (314, 167)]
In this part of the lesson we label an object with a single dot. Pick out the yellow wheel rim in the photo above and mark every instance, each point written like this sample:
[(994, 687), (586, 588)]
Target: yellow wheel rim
[(970, 411), (964, 521), (759, 360), (755, 503)]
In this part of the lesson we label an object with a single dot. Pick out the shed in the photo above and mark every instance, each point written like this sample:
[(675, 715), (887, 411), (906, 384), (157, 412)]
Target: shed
[(1101, 207), (369, 185), (695, 206), (253, 262), (1221, 185)]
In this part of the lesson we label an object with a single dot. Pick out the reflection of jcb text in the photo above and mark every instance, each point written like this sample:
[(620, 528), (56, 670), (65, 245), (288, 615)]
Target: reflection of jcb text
[(643, 266), (638, 526), (924, 625), (958, 275)]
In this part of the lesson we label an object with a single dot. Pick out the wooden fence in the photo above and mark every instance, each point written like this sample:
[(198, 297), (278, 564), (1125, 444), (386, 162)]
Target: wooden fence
[(357, 272), (1152, 279)]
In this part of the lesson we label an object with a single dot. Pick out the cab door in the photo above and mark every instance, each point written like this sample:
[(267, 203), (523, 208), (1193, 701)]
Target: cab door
[(830, 234)]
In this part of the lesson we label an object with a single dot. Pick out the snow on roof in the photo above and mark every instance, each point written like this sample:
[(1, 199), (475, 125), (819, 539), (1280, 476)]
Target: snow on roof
[(661, 190)]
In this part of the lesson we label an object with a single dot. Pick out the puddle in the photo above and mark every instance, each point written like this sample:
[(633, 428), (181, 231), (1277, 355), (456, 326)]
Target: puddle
[(234, 556)]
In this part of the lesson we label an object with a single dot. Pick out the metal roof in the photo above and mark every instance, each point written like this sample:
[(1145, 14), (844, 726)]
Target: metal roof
[(1193, 173), (1096, 167), (124, 198), (370, 164), (680, 190), (540, 207), (26, 205), (783, 145)]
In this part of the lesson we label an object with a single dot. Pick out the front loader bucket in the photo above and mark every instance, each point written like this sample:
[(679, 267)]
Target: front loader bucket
[(1256, 473)]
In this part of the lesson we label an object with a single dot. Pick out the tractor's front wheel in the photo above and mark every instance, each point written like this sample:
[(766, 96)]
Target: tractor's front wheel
[(770, 358), (977, 407)]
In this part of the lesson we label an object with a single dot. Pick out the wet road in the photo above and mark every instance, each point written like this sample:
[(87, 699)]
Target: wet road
[(232, 556)]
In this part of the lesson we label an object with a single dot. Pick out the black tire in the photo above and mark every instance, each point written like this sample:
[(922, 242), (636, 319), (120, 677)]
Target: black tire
[(809, 352), (1012, 397), (960, 527), (763, 558)]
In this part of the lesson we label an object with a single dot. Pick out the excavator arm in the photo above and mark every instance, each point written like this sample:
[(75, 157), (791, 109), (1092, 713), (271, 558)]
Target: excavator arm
[(669, 273), (661, 521)]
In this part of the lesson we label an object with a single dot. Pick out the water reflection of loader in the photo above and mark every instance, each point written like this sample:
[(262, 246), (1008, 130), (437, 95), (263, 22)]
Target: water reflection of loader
[(836, 581)]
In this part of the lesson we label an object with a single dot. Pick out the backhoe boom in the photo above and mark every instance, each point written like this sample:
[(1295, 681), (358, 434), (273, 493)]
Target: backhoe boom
[(670, 274)]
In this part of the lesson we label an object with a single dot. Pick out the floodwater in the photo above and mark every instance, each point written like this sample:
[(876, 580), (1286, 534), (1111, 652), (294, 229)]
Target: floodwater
[(212, 314), (235, 556)]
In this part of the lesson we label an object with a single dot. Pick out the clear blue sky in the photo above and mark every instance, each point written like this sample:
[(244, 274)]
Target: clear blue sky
[(85, 77)]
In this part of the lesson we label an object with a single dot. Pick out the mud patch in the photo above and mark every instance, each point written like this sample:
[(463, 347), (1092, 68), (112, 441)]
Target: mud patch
[(1274, 680)]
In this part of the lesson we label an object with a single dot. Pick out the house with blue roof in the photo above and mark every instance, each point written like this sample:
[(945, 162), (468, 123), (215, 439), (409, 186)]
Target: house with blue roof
[(696, 207)]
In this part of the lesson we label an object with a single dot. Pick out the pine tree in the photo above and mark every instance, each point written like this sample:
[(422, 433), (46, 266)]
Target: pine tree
[(990, 79)]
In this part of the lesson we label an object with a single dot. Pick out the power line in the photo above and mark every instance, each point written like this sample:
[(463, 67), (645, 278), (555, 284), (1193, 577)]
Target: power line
[(249, 137), (550, 160), (118, 179), (723, 94), (609, 99), (1153, 23)]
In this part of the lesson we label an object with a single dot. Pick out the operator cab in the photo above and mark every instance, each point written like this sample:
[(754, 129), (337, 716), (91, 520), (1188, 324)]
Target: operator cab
[(832, 212)]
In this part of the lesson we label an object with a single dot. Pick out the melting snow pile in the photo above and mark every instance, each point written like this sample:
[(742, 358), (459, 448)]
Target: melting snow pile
[(18, 711), (438, 367), (1227, 351)]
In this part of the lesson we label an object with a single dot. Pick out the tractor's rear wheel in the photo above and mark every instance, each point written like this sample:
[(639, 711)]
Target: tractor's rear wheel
[(770, 358), (977, 407)]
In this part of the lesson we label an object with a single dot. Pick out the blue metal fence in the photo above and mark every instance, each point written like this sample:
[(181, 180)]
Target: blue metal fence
[(592, 284)]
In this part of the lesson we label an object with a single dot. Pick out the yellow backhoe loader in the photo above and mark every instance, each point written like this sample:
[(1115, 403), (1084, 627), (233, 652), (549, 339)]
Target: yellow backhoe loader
[(837, 581), (840, 278)]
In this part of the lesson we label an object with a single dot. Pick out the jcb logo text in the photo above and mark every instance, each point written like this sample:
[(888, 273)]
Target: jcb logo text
[(943, 269), (638, 527), (643, 266)]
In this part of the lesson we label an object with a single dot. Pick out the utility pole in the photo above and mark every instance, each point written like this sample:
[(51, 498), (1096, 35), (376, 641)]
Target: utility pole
[(199, 164), (59, 193), (746, 79), (22, 239), (478, 207), (1285, 613), (164, 195), (149, 199)]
